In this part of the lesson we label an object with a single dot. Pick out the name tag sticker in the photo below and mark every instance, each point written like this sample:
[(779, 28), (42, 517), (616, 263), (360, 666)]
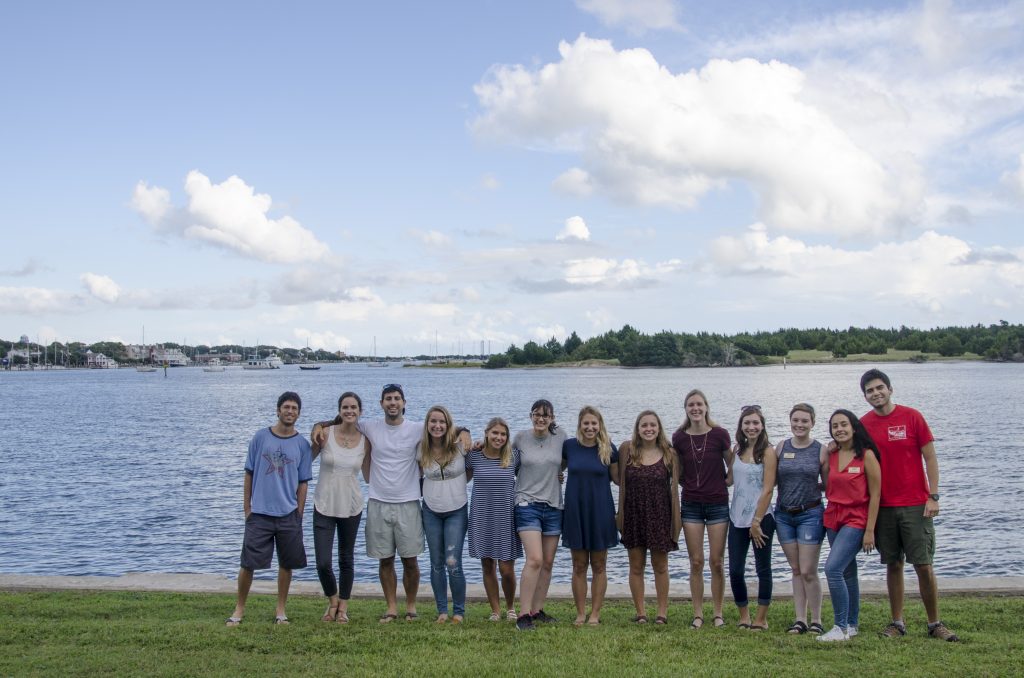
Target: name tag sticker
[(853, 469), (789, 455)]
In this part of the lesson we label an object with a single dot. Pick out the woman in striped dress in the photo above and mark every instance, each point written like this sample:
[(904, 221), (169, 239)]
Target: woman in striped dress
[(492, 525)]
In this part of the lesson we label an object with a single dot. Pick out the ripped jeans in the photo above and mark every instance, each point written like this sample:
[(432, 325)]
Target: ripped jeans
[(446, 538)]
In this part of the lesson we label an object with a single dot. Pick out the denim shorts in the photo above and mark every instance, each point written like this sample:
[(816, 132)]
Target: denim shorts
[(806, 527), (538, 517), (707, 514)]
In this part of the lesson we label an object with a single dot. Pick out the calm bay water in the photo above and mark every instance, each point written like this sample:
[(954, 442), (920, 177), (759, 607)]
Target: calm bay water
[(113, 471)]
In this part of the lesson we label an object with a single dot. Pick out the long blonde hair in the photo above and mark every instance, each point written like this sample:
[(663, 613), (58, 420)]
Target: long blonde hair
[(448, 442), (668, 454), (505, 453), (707, 410), (604, 443)]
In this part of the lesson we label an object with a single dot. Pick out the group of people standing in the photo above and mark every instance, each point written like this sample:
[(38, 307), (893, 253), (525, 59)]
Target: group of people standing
[(878, 495)]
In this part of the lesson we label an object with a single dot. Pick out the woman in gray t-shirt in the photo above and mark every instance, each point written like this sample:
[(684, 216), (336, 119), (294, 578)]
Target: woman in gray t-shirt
[(538, 509)]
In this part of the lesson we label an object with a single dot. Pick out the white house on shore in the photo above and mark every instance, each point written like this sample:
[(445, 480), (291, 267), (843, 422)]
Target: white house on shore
[(98, 361)]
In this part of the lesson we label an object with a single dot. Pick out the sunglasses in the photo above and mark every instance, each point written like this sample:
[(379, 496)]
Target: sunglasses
[(751, 407)]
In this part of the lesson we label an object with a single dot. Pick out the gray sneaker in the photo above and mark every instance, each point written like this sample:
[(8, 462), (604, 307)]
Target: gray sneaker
[(525, 623), (544, 618), (894, 630), (940, 631)]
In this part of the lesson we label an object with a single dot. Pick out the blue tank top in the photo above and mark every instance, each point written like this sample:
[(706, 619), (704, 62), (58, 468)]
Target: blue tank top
[(798, 475)]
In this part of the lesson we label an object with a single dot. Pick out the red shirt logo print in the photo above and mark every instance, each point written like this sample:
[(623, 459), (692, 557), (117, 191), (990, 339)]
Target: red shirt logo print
[(897, 432)]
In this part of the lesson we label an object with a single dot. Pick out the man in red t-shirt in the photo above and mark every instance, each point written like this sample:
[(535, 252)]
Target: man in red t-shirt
[(909, 501)]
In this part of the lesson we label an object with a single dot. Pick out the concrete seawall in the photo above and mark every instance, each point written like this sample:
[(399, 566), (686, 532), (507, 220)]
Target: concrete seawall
[(209, 583)]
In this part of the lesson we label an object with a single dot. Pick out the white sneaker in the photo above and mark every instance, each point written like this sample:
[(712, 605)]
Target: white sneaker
[(851, 631), (836, 633)]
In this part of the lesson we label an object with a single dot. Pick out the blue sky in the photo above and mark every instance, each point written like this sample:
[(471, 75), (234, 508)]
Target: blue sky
[(327, 173)]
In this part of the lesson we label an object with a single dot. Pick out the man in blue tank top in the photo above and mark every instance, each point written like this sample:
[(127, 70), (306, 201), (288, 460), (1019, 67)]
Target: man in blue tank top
[(278, 469)]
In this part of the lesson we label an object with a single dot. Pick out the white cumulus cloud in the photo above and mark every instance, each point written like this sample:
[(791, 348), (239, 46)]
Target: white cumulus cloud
[(650, 136), (575, 229), (230, 215), (431, 238), (101, 286), (634, 15), (1014, 180), (573, 181)]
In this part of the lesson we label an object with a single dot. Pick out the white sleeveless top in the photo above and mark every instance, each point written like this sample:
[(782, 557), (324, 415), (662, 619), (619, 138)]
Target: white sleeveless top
[(747, 483), (337, 489), (445, 489)]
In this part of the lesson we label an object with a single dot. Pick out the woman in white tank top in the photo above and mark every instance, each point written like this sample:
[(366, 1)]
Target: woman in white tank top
[(338, 504)]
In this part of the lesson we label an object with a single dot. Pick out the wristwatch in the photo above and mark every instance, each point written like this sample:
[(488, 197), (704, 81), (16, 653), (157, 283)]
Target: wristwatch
[(934, 497)]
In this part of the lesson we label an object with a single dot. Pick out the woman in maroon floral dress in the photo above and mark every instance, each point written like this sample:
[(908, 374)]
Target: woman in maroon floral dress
[(649, 516)]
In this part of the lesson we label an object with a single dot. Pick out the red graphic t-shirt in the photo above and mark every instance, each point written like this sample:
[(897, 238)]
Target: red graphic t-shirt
[(900, 435)]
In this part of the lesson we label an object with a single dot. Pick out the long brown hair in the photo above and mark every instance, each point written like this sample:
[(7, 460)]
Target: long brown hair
[(668, 455), (761, 443), (448, 442)]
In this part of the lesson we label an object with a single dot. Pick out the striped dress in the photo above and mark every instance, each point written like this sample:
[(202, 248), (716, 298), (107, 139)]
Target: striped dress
[(492, 524)]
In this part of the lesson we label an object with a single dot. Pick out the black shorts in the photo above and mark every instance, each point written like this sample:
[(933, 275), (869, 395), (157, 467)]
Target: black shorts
[(263, 532)]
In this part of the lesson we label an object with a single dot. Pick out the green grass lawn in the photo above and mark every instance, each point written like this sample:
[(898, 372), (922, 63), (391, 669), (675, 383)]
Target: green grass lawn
[(114, 634)]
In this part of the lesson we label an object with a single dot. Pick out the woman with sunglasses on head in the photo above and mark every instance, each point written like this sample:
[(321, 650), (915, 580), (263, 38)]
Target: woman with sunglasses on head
[(800, 475), (752, 476), (589, 520), (649, 509), (704, 451), (338, 503), (492, 523), (538, 509), (853, 492), (441, 457)]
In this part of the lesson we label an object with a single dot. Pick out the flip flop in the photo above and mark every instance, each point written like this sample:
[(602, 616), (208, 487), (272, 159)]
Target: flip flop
[(281, 619), (640, 619), (233, 621), (695, 625), (743, 625), (387, 617), (758, 627), (342, 618), (410, 616), (718, 621), (660, 620)]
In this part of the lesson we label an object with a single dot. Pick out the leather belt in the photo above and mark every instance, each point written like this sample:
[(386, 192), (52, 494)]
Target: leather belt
[(800, 509)]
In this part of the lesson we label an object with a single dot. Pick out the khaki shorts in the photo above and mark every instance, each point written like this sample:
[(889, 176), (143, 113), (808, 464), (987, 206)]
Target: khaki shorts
[(393, 527), (902, 533)]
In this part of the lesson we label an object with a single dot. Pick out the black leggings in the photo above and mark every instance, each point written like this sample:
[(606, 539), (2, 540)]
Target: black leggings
[(324, 528)]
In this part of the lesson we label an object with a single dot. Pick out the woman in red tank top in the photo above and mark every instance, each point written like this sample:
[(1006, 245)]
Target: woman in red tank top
[(853, 490)]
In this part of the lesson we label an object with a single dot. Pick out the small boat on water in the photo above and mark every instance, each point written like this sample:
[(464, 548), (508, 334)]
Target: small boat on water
[(144, 367), (309, 367), (214, 366), (255, 362)]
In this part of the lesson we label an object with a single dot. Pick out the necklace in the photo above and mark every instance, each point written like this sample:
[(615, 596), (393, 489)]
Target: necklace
[(348, 441), (698, 462)]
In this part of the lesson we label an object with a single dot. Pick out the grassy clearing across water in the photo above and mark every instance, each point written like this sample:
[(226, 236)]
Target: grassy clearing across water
[(124, 633)]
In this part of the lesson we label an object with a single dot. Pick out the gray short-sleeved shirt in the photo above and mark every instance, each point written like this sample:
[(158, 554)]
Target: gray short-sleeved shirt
[(540, 462)]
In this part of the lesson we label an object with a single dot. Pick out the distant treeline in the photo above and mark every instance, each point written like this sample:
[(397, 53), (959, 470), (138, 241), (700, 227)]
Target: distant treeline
[(1002, 342), (73, 353)]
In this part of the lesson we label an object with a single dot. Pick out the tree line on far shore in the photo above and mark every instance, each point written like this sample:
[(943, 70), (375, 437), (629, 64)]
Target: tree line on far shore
[(1000, 342)]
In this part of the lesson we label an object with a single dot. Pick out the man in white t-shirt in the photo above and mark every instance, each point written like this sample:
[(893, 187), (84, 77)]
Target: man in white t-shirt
[(393, 519)]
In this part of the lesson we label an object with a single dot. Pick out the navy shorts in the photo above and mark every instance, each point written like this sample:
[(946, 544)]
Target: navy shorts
[(263, 533)]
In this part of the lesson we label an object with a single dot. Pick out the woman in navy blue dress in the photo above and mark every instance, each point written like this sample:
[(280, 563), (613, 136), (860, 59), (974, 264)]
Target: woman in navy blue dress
[(588, 526)]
